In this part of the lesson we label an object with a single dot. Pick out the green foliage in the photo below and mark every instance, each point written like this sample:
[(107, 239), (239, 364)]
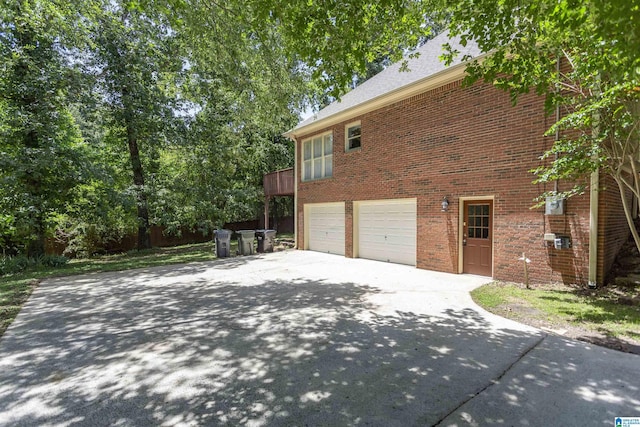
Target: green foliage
[(41, 160), (11, 265), (137, 66), (337, 39), (117, 115), (53, 261), (84, 239), (20, 263), (245, 93), (583, 55), (7, 233), (13, 293), (488, 296)]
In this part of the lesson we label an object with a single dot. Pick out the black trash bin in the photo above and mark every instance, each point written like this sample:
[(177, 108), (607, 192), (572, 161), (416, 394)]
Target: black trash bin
[(245, 242), (223, 243), (265, 240)]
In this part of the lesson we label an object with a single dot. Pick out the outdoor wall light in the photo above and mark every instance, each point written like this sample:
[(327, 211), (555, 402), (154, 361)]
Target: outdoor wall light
[(445, 204)]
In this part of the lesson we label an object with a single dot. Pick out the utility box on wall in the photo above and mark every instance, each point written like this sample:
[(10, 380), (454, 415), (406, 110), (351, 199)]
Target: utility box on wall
[(554, 206), (557, 241), (562, 242)]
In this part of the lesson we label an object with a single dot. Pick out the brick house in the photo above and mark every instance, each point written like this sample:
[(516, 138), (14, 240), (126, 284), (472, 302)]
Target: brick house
[(414, 168)]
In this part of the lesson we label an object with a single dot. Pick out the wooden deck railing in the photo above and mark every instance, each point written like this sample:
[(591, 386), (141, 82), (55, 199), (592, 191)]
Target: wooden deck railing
[(279, 183)]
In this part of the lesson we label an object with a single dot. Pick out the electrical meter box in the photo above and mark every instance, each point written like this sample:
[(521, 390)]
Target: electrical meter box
[(562, 242), (554, 206)]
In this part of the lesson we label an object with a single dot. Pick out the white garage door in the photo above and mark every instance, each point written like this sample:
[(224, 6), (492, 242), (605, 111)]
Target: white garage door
[(325, 230), (387, 230)]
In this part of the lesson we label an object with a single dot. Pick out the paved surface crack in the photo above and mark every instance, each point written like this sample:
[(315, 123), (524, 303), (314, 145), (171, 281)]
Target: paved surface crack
[(493, 381)]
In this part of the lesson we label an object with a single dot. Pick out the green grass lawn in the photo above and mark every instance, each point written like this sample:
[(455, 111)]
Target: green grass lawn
[(15, 289), (13, 293), (608, 311)]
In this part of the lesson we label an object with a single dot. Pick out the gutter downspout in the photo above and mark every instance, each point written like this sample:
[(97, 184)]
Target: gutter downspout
[(594, 185), (295, 191), (593, 203), (557, 135), (593, 229)]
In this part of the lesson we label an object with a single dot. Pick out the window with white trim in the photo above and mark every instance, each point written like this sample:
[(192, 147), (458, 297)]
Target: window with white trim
[(317, 157), (352, 136)]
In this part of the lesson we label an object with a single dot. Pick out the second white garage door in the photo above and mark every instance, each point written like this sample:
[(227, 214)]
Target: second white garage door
[(325, 227), (386, 230)]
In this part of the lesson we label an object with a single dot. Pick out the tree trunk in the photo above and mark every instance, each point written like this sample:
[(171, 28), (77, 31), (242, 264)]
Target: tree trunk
[(34, 187), (35, 247), (144, 237)]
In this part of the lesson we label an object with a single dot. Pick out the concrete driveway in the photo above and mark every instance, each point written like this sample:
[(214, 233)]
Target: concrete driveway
[(295, 338)]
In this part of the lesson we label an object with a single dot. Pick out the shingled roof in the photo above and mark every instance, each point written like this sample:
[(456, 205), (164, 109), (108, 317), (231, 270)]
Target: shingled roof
[(426, 65)]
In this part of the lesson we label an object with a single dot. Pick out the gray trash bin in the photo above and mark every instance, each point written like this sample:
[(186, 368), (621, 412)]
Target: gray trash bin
[(265, 240), (223, 243), (245, 242)]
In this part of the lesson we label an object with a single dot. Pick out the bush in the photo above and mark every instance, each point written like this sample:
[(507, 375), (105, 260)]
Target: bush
[(13, 264), (18, 264), (84, 239), (53, 261)]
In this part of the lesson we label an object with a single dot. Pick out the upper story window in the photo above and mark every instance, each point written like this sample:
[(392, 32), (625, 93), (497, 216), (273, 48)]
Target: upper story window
[(317, 157), (353, 132)]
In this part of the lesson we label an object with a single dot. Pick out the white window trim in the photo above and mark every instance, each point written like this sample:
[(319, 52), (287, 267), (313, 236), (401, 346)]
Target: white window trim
[(312, 163), (346, 136)]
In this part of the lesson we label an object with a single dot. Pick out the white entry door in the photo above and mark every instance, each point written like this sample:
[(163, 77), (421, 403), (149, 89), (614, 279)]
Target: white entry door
[(325, 227), (386, 230)]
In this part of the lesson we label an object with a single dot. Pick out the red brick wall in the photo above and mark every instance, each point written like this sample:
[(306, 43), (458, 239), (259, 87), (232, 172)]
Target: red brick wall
[(568, 265), (458, 142), (613, 229)]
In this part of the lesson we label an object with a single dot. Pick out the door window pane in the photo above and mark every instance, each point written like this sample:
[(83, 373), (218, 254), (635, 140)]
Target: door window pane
[(478, 221)]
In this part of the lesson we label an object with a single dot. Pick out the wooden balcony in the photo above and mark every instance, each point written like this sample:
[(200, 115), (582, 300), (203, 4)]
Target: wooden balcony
[(279, 183)]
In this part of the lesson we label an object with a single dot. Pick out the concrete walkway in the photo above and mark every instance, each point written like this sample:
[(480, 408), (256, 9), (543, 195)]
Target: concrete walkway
[(295, 338)]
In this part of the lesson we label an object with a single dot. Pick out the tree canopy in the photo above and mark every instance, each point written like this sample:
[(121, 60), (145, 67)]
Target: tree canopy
[(119, 115), (125, 114), (40, 143)]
